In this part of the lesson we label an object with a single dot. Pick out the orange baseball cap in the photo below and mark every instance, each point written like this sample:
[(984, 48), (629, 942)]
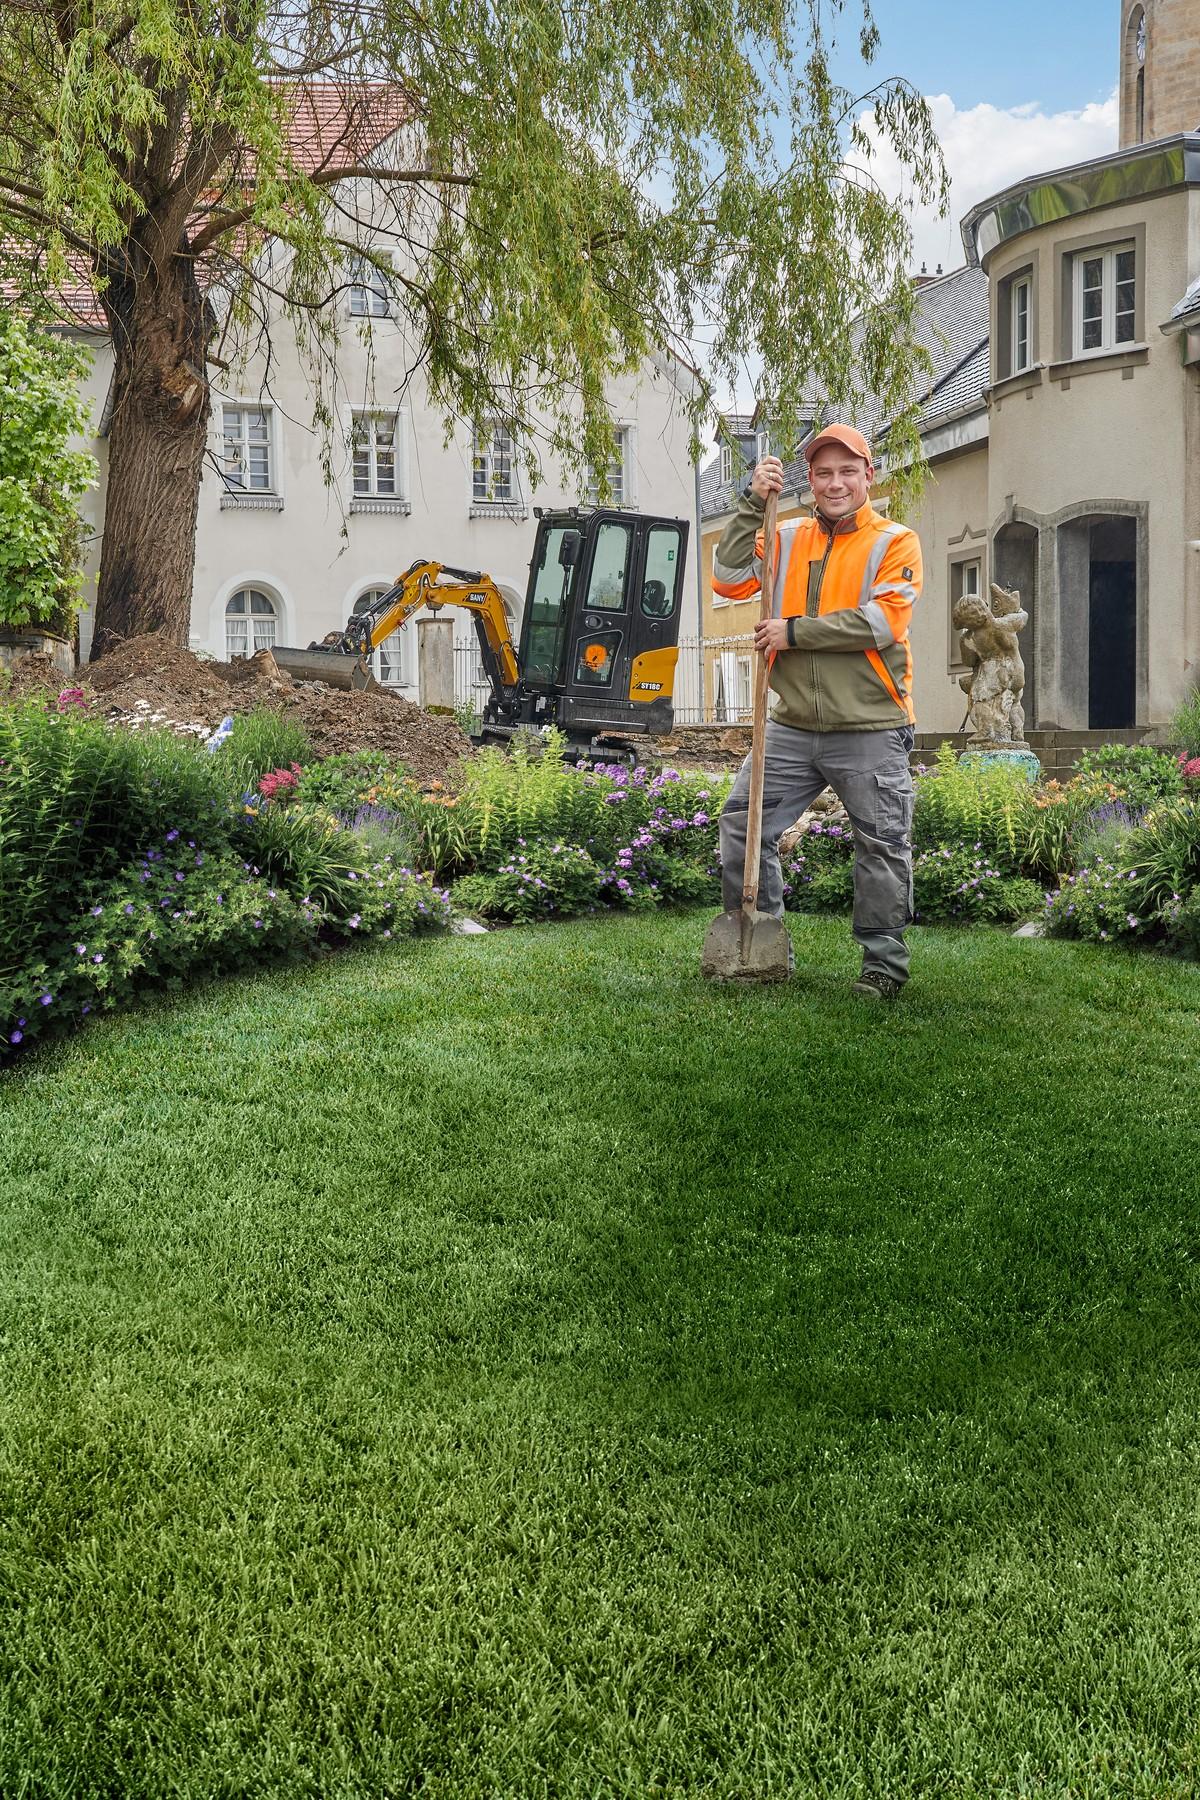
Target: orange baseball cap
[(844, 435)]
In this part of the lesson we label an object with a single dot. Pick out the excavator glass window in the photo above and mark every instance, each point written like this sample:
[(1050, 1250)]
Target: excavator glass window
[(548, 610), (610, 565), (660, 575), (596, 658)]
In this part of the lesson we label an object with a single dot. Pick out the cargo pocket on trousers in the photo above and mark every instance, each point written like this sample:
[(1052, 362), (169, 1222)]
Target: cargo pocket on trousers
[(894, 805)]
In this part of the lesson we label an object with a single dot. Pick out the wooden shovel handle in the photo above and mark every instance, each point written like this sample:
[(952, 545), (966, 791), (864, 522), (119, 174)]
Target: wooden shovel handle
[(758, 742)]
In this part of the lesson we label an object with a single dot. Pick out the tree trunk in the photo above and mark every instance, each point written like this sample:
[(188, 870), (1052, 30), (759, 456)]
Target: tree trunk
[(159, 431)]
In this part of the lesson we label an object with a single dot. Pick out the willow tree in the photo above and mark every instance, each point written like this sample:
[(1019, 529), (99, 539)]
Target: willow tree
[(567, 185)]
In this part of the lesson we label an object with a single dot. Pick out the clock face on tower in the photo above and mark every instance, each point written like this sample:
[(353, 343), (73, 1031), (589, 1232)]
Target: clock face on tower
[(1141, 39)]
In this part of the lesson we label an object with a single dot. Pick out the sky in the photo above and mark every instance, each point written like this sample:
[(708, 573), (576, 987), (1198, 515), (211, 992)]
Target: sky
[(1015, 89)]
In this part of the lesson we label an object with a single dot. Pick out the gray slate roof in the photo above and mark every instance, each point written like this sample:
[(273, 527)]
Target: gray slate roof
[(1188, 310), (952, 325)]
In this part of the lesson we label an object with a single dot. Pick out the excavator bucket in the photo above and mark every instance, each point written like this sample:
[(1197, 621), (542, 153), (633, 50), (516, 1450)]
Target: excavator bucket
[(333, 667)]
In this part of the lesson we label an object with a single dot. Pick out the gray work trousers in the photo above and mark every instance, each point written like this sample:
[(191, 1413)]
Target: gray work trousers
[(869, 773)]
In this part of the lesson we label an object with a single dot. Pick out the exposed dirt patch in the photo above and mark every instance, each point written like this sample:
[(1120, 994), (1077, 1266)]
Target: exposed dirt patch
[(151, 681)]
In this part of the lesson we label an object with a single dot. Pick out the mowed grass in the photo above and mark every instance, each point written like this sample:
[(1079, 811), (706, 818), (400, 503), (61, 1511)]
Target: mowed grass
[(507, 1367)]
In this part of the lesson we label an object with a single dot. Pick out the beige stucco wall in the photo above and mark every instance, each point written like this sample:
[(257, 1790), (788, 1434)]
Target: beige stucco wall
[(1077, 434), (952, 523)]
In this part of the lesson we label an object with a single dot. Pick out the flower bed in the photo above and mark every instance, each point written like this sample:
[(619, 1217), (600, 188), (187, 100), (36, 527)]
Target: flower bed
[(129, 859)]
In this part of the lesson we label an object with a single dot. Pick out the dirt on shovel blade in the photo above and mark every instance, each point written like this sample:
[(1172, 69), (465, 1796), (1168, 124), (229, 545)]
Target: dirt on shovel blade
[(746, 947)]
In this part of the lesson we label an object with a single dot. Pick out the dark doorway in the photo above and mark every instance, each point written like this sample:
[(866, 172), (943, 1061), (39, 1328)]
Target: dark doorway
[(1112, 625)]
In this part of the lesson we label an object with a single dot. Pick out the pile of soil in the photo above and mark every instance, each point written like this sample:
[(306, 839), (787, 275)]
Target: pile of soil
[(148, 680)]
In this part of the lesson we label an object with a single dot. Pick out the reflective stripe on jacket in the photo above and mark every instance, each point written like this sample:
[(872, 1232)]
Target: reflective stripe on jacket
[(850, 593)]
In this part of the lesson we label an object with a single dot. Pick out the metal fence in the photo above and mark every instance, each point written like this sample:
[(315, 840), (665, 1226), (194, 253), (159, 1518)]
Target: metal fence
[(713, 680)]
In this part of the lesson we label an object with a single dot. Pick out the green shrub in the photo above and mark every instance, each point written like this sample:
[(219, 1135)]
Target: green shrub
[(1103, 904), (818, 872), (341, 784), (538, 881), (260, 742), (382, 831), (505, 800), (295, 850), (1140, 774), (1049, 835), (42, 412), (178, 913), (1181, 922), (961, 885), (970, 803), (77, 801), (1185, 726)]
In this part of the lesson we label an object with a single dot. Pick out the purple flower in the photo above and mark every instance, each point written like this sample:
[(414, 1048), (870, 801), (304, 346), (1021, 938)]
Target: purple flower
[(179, 874), (96, 911), (127, 909), (16, 1037), (98, 958), (86, 1007), (46, 999), (81, 949), (170, 837)]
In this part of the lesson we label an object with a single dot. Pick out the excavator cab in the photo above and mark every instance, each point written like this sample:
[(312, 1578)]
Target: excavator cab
[(600, 632)]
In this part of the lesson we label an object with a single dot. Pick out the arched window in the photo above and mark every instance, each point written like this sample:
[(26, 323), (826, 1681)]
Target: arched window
[(250, 622), (389, 660)]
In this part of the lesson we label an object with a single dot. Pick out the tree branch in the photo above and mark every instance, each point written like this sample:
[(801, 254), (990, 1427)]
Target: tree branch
[(224, 222)]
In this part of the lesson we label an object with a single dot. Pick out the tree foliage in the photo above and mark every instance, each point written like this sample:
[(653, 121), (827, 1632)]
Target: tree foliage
[(569, 187), (42, 475)]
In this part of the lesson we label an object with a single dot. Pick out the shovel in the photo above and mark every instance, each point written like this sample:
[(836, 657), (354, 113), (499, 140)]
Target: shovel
[(745, 944)]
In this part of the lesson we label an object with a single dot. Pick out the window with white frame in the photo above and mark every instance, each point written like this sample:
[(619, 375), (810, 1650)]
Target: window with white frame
[(250, 622), (762, 444), (246, 455), (376, 471), (726, 464), (1104, 299), (388, 658), (745, 693), (492, 473), (618, 486), (368, 289), (1020, 336)]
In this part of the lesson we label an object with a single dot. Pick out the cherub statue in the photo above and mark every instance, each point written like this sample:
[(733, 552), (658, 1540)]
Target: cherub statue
[(995, 681)]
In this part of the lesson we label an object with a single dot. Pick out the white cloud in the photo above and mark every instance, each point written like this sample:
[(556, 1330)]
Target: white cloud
[(987, 148)]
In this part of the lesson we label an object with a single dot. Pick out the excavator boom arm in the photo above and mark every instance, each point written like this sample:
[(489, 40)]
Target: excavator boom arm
[(436, 584)]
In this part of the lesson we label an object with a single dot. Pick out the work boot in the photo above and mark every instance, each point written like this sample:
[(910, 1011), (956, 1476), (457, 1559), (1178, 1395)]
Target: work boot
[(872, 984)]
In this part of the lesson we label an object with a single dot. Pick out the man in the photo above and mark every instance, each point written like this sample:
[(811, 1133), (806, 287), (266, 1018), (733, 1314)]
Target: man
[(841, 674)]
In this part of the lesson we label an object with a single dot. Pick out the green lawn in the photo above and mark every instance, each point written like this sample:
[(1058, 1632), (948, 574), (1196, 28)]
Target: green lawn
[(507, 1367)]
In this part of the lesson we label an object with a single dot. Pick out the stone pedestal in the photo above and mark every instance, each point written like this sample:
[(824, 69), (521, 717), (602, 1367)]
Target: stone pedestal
[(435, 664), (1010, 756)]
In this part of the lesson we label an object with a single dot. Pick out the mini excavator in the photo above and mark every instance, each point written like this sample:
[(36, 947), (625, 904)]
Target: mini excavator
[(599, 635)]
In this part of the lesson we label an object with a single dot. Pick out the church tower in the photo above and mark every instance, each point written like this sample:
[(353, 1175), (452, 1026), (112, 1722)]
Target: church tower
[(1160, 69)]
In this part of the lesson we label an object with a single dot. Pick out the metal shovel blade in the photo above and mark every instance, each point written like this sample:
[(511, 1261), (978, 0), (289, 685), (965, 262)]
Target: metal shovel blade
[(746, 945)]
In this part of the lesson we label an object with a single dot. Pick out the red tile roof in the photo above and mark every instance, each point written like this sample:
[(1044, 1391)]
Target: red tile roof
[(332, 126)]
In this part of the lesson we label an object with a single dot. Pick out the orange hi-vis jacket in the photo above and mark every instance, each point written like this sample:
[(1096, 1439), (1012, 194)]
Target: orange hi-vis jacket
[(847, 593)]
